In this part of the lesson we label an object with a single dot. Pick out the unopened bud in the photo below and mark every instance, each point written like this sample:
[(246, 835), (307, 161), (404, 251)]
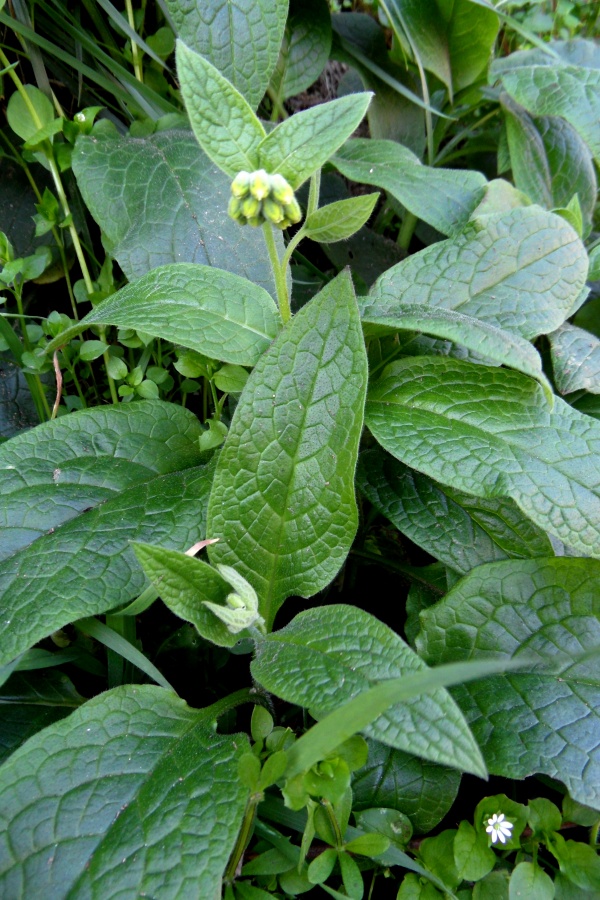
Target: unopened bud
[(240, 185), (292, 211), (255, 221), (281, 190), (235, 208), (272, 211), (260, 184), (250, 207), (285, 223)]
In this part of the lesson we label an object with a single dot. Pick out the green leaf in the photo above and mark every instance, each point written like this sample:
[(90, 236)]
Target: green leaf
[(222, 120), (322, 866), (528, 880), (231, 379), (338, 221), (544, 816), (241, 39), (575, 359), (570, 91), (522, 271), (472, 855), (389, 822), (80, 799), (493, 887), (415, 888), (437, 854), (488, 432), (486, 340), (305, 48), (208, 310), (421, 790), (444, 198), (579, 862), (303, 143), (545, 720), (76, 490), (301, 411), (31, 700), (160, 200), (420, 27), (472, 32), (184, 583), (461, 531), (326, 656), (549, 161), (20, 117)]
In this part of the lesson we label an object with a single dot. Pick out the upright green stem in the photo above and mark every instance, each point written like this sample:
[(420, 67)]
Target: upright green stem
[(242, 838), (313, 194), (279, 273), (135, 52), (406, 230)]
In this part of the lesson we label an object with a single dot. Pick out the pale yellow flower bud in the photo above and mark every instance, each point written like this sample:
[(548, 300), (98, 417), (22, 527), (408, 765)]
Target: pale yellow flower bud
[(272, 211), (260, 184), (240, 186), (281, 190)]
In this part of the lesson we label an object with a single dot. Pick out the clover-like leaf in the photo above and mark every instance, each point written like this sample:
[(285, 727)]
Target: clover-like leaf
[(97, 804), (544, 720)]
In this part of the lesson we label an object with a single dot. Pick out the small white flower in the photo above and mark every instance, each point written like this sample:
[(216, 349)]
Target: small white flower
[(499, 828)]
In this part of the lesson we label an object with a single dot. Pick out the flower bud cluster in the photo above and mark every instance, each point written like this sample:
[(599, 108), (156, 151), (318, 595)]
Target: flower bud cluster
[(258, 197)]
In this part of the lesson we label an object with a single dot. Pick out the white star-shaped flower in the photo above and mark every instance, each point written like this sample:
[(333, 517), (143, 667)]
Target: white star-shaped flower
[(499, 828)]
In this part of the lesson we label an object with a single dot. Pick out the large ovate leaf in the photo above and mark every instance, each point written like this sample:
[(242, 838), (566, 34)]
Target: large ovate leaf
[(305, 48), (75, 492), (485, 340), (240, 37), (303, 143), (489, 432), (461, 531), (31, 700), (545, 720), (549, 161), (160, 200), (218, 314), (523, 271), (421, 790), (327, 656), (132, 794), (282, 502), (472, 31), (444, 198), (568, 86), (222, 120), (575, 359)]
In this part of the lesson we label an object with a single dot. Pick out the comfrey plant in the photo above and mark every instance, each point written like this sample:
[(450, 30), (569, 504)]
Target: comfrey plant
[(432, 374)]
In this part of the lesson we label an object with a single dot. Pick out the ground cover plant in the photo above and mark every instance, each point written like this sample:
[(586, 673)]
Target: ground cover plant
[(300, 356)]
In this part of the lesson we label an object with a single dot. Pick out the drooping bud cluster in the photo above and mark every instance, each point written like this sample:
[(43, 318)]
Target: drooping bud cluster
[(258, 197)]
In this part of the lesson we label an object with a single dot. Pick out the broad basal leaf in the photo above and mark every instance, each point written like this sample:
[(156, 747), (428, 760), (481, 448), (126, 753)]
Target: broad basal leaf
[(218, 314), (523, 271), (472, 31), (549, 161), (160, 200), (545, 720), (222, 120), (575, 359), (133, 794), (31, 700), (326, 656), (421, 790), (75, 492), (567, 87), (305, 48), (444, 198), (282, 503), (461, 531), (420, 27), (485, 340), (240, 37), (489, 432), (303, 143)]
